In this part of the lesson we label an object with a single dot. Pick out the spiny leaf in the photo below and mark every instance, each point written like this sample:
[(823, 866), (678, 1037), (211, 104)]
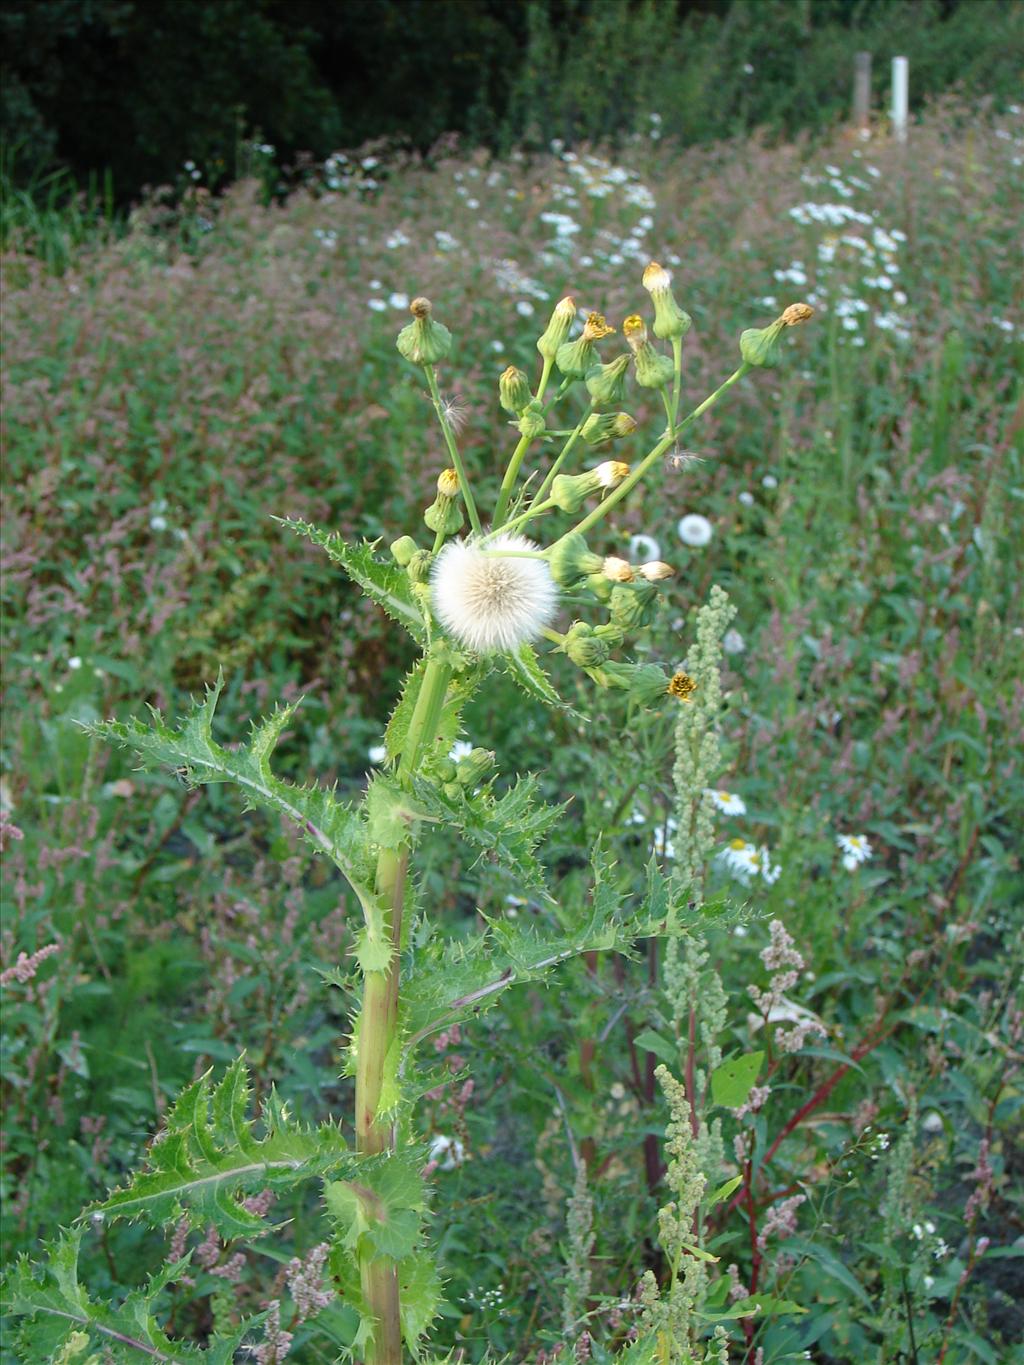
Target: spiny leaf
[(506, 828), (379, 578), (523, 666), (451, 981), (380, 1211), (208, 1157), (329, 825), (53, 1304)]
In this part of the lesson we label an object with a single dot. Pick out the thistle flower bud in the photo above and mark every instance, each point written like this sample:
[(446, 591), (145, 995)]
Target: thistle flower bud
[(403, 549), (514, 391), (418, 567), (444, 768), (645, 683), (629, 606), (617, 570), (600, 586), (602, 427), (575, 358), (471, 770), (653, 371), (532, 422), (611, 635), (444, 515), (606, 384), (570, 491), (424, 341), (655, 570), (557, 330), (570, 560), (760, 345), (584, 647), (670, 321)]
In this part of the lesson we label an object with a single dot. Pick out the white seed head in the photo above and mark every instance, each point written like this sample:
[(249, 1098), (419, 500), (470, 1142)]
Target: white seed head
[(489, 600), (618, 570), (611, 473)]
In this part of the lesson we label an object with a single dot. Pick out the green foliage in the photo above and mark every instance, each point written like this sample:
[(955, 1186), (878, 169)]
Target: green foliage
[(56, 1306), (209, 1155), (327, 824)]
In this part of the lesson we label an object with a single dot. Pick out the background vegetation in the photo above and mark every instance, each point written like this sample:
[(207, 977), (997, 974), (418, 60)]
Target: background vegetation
[(139, 87), (170, 387)]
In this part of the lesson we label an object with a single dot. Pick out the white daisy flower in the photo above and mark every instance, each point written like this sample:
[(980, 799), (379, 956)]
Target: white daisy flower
[(733, 642), (694, 529), (376, 753), (74, 662), (855, 849), (642, 547), (747, 862), (489, 598), (727, 802), (448, 1152)]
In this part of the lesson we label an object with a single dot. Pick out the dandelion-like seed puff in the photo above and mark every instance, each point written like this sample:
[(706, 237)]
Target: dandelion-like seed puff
[(488, 598)]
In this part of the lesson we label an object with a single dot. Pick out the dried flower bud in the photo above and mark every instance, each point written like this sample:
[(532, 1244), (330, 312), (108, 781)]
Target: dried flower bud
[(403, 549), (760, 345), (670, 321), (653, 371), (681, 685), (514, 391), (797, 313), (606, 384), (448, 483), (424, 341), (570, 491), (571, 561), (557, 330), (618, 570), (602, 427), (532, 422), (655, 570), (575, 358)]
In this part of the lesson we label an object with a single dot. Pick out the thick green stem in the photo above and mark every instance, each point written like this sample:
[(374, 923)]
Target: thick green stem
[(378, 1023), (453, 449)]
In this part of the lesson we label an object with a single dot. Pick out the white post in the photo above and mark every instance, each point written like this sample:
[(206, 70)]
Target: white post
[(900, 90)]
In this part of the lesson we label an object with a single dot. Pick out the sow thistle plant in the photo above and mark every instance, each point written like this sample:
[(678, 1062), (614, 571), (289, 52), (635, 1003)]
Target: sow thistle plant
[(479, 589)]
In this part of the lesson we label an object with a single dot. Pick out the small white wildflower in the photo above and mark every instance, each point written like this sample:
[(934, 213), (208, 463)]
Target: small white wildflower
[(378, 305), (490, 599), (376, 753), (158, 523), (643, 547), (524, 308), (447, 1152), (932, 1122), (398, 300), (769, 481), (74, 663), (694, 529), (746, 498), (733, 642), (929, 1226), (728, 802), (747, 861), (462, 748), (855, 849), (928, 1281)]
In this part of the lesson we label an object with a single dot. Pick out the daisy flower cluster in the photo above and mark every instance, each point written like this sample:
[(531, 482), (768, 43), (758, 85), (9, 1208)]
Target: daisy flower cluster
[(854, 254), (748, 863)]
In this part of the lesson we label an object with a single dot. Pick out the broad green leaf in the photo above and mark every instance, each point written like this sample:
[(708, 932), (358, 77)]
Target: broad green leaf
[(723, 1192), (733, 1081), (379, 1212), (829, 1263), (653, 1042)]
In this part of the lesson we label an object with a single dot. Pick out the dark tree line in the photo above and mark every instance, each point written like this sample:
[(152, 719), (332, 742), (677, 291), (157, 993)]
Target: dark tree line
[(139, 86)]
